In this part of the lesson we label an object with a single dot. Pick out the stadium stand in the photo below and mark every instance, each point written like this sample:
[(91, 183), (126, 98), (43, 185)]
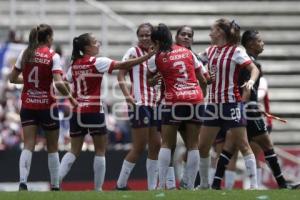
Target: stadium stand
[(279, 25)]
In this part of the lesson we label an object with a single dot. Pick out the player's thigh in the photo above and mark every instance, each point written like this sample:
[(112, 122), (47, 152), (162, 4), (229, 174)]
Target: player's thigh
[(192, 136), (169, 136), (29, 135)]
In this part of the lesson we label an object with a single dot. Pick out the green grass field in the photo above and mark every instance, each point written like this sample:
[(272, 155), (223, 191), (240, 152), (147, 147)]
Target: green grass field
[(173, 195)]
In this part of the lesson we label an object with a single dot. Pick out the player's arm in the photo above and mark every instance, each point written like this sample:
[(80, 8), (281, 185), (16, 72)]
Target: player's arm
[(15, 76), (127, 64), (253, 77), (122, 83), (60, 85), (202, 81), (154, 80)]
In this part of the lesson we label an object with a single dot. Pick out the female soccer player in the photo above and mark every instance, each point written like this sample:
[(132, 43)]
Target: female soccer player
[(40, 66), (256, 127), (185, 37), (183, 98), (142, 102), (86, 73), (225, 110)]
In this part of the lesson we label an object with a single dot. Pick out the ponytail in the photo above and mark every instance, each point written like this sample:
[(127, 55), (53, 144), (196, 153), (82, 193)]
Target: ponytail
[(38, 35), (79, 44), (231, 30), (32, 45)]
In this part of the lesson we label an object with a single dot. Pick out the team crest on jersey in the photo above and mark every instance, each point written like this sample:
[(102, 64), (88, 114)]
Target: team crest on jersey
[(146, 120)]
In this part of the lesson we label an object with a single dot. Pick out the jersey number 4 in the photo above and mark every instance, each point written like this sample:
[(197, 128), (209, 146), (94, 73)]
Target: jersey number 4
[(33, 76)]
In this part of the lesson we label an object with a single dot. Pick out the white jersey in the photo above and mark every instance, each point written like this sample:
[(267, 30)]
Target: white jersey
[(140, 90)]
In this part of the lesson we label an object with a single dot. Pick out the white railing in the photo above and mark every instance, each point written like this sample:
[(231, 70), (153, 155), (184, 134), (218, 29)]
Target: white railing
[(104, 10), (107, 12)]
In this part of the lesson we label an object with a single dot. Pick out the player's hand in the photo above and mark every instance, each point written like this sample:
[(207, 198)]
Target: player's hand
[(130, 100), (155, 79), (74, 102), (212, 77), (153, 49), (249, 84)]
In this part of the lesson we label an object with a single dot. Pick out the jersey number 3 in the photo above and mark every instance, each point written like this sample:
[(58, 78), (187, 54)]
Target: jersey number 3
[(182, 71), (33, 76)]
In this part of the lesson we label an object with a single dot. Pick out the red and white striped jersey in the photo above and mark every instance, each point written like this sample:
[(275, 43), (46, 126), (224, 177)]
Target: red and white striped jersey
[(177, 68), (38, 77), (86, 74), (224, 64), (140, 89)]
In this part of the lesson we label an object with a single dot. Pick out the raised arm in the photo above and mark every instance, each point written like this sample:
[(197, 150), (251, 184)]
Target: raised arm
[(126, 65)]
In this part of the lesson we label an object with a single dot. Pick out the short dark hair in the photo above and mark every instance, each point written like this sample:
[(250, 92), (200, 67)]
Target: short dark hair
[(248, 35), (163, 36)]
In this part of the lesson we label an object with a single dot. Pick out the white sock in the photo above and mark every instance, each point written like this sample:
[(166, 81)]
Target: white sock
[(171, 182), (53, 165), (99, 172), (250, 164), (184, 175), (164, 159), (192, 167), (65, 165), (152, 173), (204, 168), (229, 179), (211, 174), (259, 178), (125, 173), (24, 165)]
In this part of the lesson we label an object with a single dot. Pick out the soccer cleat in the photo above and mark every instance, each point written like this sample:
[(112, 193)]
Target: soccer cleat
[(182, 185), (295, 186), (126, 188), (215, 187), (23, 187), (204, 187), (283, 186), (55, 189)]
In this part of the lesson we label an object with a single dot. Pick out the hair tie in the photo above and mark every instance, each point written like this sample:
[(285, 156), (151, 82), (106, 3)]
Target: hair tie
[(235, 25)]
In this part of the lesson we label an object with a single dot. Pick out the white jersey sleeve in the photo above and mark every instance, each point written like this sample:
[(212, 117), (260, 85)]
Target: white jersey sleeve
[(131, 53), (241, 57), (204, 57), (56, 63), (69, 75), (197, 62), (152, 65), (19, 60), (262, 88), (199, 65), (104, 64)]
